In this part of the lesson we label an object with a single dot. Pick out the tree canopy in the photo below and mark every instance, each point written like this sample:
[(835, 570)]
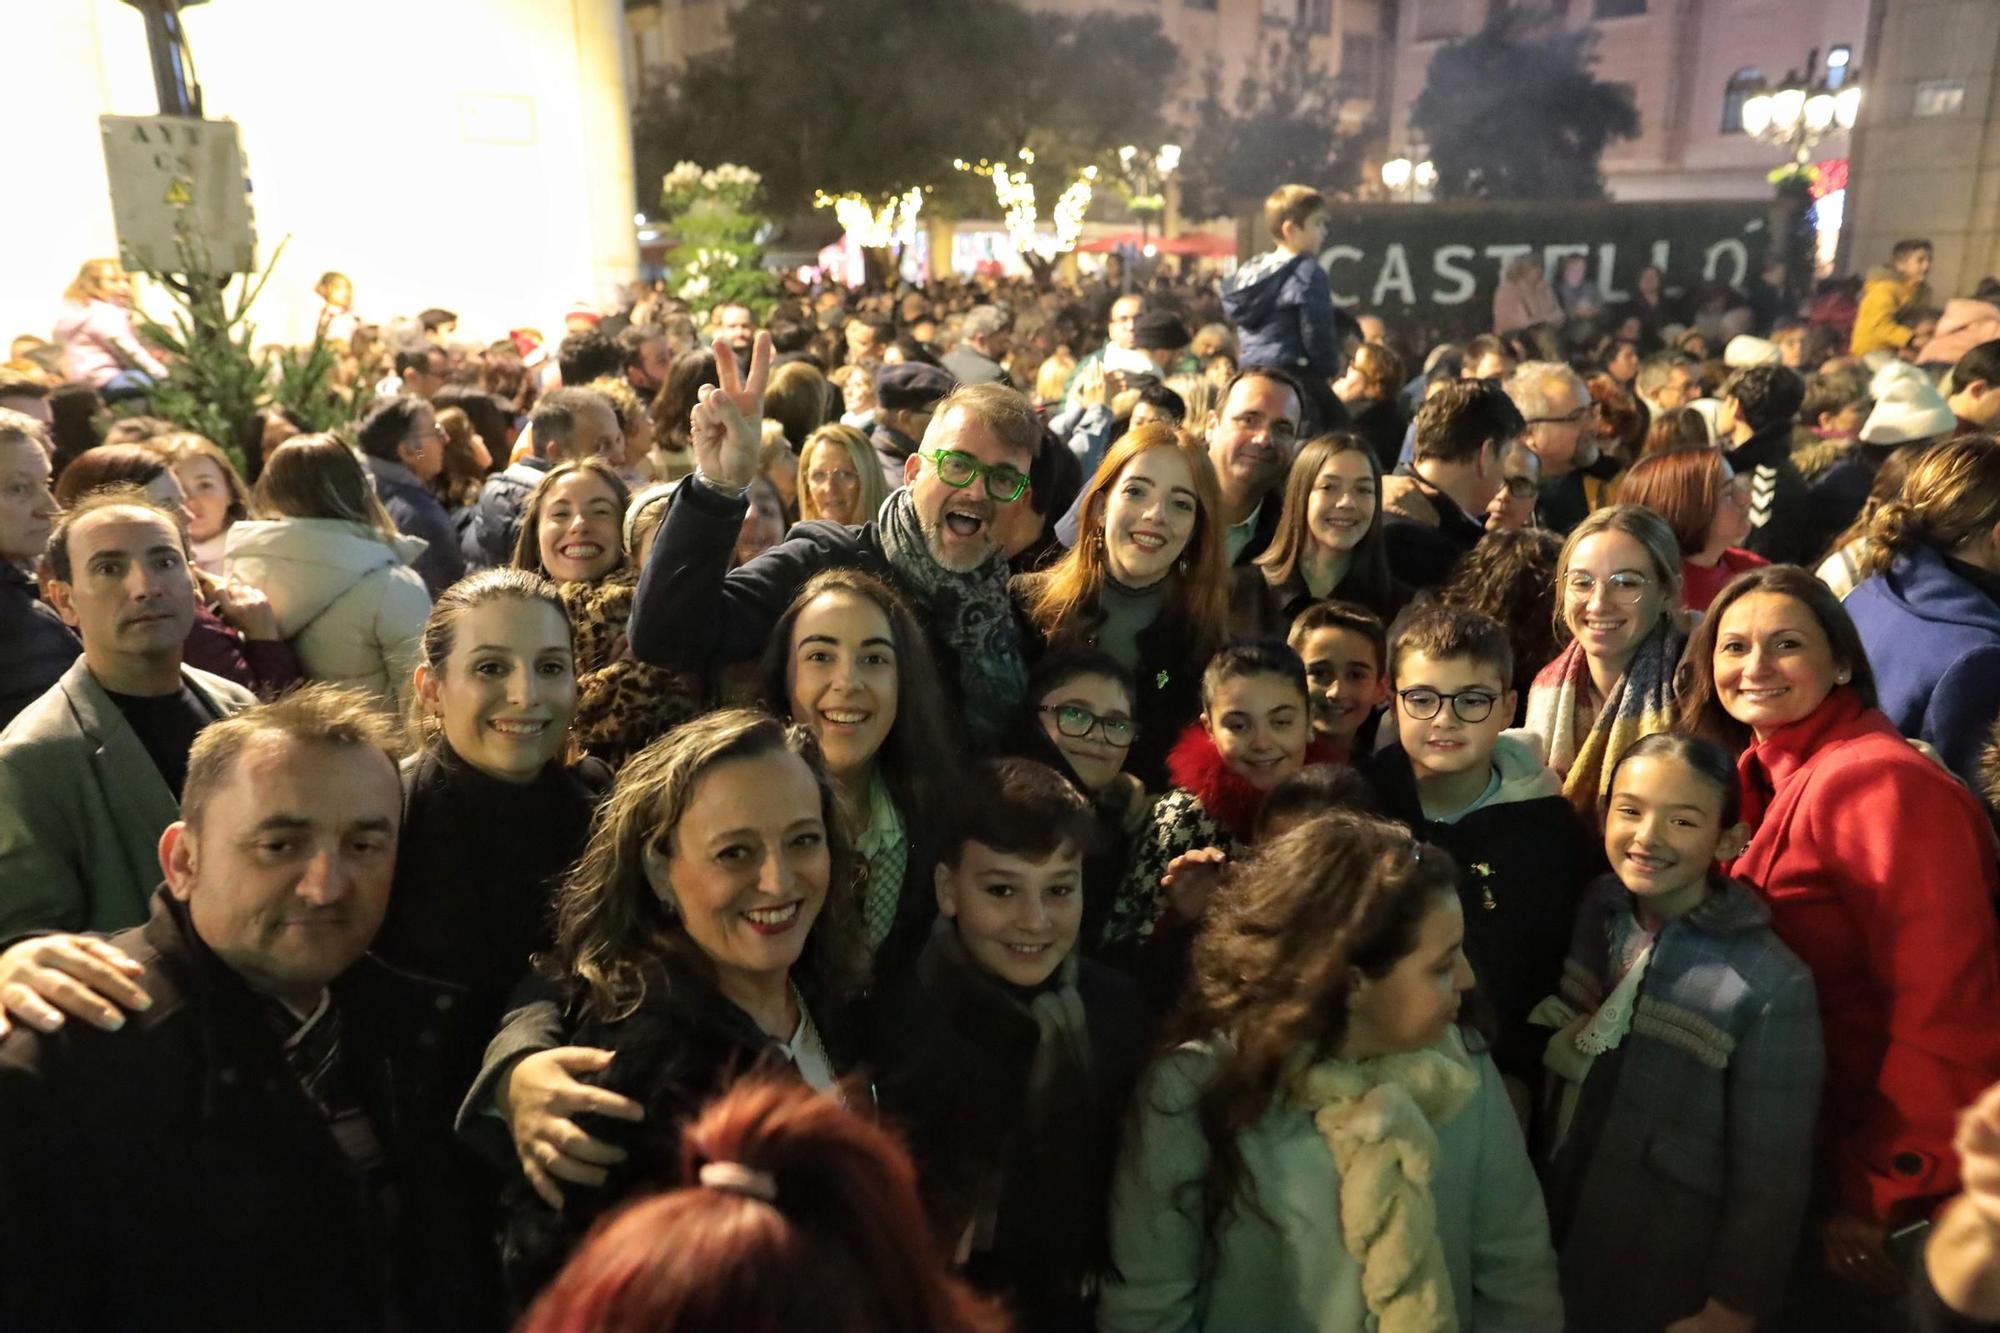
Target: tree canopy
[(1283, 124), (875, 96), (1514, 111)]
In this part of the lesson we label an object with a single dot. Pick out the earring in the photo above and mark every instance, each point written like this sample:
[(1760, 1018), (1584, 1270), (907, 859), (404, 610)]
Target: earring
[(1181, 565), (1841, 679)]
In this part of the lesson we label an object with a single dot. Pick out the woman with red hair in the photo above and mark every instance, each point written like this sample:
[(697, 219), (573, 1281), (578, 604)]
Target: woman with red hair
[(793, 1213), (1708, 507)]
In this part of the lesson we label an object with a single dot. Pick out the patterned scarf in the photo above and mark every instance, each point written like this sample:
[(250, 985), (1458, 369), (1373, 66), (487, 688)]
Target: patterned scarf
[(1379, 1119), (1641, 703), (970, 612)]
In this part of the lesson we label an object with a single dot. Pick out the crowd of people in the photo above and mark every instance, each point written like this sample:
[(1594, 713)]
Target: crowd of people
[(1009, 804)]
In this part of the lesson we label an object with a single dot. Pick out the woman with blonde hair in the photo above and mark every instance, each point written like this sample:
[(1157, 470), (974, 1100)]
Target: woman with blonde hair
[(1929, 614), (839, 477), (1145, 582), (95, 331), (328, 556), (1618, 584)]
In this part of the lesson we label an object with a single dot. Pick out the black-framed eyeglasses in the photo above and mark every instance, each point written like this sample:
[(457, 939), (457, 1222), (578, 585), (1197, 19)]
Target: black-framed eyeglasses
[(1077, 722), (1570, 420), (1622, 589), (1423, 703), (1004, 483)]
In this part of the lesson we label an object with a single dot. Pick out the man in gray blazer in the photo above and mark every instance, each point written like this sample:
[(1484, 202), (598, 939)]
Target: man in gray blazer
[(91, 772)]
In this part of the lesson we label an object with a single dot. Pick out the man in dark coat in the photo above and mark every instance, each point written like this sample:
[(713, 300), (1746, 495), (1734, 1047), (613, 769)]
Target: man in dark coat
[(937, 541), (1759, 405), (35, 646), (405, 451), (568, 423), (906, 394), (237, 1156)]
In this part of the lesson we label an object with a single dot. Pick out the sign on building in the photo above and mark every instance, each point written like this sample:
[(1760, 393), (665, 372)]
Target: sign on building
[(1437, 264), (173, 173)]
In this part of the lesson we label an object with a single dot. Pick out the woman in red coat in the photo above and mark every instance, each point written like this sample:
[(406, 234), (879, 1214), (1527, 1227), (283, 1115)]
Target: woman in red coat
[(1879, 869)]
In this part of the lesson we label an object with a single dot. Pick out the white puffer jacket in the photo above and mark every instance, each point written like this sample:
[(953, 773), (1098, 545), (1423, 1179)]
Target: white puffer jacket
[(345, 597)]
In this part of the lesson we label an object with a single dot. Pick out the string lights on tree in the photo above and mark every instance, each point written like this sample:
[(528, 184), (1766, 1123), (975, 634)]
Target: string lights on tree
[(1019, 211), (873, 227)]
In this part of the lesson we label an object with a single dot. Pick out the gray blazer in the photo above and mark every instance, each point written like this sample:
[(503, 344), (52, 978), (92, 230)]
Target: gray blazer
[(82, 807)]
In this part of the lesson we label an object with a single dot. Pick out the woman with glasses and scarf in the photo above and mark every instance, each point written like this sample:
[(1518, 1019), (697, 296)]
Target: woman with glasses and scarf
[(1145, 583), (1618, 583)]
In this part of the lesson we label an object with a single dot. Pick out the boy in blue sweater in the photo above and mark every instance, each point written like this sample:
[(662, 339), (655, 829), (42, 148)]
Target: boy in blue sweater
[(1283, 308)]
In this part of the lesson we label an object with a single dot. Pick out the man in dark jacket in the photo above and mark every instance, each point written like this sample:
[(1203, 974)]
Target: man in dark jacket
[(568, 423), (405, 451), (906, 394), (936, 541), (1282, 305), (236, 1157), (1434, 510), (983, 343), (35, 646), (1759, 405)]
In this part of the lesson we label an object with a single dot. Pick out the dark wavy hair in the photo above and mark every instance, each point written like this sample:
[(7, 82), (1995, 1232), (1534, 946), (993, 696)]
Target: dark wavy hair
[(612, 931), (1273, 968)]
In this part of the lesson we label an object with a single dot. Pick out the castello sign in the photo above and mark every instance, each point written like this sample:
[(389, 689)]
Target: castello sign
[(1439, 263)]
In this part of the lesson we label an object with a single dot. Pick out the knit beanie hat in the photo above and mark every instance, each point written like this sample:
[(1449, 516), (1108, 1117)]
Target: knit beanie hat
[(1907, 407)]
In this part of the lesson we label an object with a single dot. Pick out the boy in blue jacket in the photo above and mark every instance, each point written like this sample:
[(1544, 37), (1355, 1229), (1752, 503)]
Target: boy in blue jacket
[(1282, 306)]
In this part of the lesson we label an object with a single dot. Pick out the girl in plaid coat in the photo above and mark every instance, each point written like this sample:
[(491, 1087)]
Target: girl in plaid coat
[(1684, 1075)]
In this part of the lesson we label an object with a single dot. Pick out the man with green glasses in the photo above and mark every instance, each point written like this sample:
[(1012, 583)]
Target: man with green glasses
[(936, 540)]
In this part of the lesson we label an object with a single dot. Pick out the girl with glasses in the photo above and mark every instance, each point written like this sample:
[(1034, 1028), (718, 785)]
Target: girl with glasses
[(1617, 584), (1144, 583), (1708, 506)]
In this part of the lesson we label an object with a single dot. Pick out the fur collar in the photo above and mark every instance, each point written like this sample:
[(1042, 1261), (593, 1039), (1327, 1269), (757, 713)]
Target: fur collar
[(1197, 767)]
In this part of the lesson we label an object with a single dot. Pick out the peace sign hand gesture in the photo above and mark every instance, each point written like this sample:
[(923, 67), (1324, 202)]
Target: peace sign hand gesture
[(727, 424)]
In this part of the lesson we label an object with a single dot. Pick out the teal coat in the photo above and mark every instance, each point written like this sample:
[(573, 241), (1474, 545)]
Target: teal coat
[(82, 807), (1288, 1271)]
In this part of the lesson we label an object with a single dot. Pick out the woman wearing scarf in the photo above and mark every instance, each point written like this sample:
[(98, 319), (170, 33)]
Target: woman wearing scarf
[(935, 541), (1010, 1059), (1326, 1151), (1618, 581)]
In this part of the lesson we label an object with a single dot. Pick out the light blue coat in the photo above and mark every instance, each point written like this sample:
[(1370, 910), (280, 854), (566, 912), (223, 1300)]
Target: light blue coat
[(1288, 1271)]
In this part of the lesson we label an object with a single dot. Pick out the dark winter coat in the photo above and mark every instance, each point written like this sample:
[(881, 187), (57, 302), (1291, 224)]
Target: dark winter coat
[(1427, 532), (35, 646), (1780, 516), (1933, 641), (1523, 861), (952, 1049), (174, 1175), (1688, 1165), (486, 540), (1259, 607), (418, 513), (1283, 310), (681, 1047)]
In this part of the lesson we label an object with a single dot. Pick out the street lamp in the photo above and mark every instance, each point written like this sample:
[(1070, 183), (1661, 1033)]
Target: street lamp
[(1409, 180), (1801, 111), (1145, 175)]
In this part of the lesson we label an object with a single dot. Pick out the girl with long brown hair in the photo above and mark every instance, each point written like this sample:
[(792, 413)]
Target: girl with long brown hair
[(1328, 543), (1146, 581), (1325, 1149)]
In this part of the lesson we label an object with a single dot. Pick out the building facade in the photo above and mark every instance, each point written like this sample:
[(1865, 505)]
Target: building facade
[(1927, 151), (1688, 65)]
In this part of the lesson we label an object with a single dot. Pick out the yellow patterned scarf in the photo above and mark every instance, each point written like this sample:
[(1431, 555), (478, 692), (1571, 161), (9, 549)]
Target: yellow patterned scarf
[(1641, 703)]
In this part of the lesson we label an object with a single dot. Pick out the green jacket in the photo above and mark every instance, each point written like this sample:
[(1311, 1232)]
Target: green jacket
[(82, 807), (1294, 1274)]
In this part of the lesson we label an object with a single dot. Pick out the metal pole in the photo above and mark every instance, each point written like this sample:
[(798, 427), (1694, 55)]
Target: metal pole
[(167, 43)]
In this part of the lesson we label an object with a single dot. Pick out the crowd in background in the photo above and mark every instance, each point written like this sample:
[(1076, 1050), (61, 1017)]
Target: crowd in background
[(1144, 803)]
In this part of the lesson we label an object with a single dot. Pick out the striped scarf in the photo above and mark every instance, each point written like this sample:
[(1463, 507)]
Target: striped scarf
[(1641, 703)]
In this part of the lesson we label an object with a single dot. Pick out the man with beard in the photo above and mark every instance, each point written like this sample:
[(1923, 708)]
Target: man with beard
[(935, 541)]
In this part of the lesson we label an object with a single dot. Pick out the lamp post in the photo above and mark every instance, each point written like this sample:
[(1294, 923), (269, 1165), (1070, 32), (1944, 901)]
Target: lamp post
[(1796, 115), (1409, 181), (1145, 176)]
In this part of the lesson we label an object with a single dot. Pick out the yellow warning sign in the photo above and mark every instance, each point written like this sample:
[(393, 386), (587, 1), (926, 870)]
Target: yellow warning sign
[(179, 192)]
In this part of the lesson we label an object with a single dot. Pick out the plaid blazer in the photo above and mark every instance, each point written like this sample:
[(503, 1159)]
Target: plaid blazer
[(1687, 1171)]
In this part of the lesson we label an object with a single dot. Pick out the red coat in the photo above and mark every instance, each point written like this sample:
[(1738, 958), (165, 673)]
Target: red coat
[(1879, 868)]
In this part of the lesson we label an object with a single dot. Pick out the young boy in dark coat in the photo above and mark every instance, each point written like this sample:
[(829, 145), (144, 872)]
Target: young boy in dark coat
[(1524, 854), (1006, 1057)]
